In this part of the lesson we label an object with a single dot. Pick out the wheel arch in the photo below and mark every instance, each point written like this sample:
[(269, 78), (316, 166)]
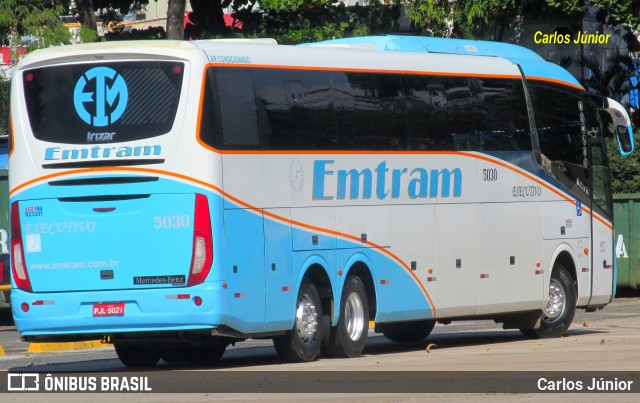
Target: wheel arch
[(361, 269), (316, 274), (565, 258)]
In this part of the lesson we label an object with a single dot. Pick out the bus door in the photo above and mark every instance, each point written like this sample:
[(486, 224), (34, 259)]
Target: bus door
[(602, 263)]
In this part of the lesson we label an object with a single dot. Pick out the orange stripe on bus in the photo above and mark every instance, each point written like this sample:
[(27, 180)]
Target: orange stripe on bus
[(247, 205), (199, 122), (399, 71), (552, 80), (315, 228), (541, 183), (184, 177), (365, 70), (109, 169)]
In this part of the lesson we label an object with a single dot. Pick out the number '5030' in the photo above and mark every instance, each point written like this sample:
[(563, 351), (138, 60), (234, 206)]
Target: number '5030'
[(171, 221)]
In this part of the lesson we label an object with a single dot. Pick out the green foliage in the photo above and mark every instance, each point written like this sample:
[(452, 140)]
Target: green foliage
[(572, 8), (611, 13), (613, 80), (624, 170), (87, 34), (37, 19), (297, 21), (5, 89), (486, 19), (435, 17)]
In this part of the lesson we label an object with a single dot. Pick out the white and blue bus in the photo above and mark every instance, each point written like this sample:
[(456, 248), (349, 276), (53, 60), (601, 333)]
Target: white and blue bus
[(172, 198)]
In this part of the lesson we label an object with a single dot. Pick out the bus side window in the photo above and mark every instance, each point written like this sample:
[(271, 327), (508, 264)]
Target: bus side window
[(228, 116), (370, 111), (500, 115), (438, 113), (295, 111), (564, 123)]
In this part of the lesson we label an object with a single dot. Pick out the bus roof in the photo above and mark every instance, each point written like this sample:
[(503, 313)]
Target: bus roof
[(96, 51), (449, 55), (532, 64)]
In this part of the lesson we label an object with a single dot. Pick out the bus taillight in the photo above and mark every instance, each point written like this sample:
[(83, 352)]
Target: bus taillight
[(19, 269), (202, 257)]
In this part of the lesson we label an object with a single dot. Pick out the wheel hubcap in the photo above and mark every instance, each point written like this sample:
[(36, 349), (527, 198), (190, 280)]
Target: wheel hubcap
[(557, 300), (354, 316), (306, 320)]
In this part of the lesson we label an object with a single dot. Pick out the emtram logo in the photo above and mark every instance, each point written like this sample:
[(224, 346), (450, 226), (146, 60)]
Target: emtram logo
[(100, 96)]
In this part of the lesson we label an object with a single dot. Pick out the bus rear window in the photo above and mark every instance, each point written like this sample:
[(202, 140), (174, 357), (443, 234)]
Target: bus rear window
[(102, 103)]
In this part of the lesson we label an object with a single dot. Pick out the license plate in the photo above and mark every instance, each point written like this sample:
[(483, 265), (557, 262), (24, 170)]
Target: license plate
[(110, 309)]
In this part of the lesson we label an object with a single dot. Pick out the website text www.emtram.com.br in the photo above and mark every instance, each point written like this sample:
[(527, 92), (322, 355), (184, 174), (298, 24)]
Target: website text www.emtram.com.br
[(96, 264)]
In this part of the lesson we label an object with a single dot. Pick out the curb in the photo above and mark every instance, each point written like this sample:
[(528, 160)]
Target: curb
[(78, 345)]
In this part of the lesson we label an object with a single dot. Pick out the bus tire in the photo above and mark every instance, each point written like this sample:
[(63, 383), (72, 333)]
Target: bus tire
[(407, 332), (137, 355), (561, 307), (302, 343), (348, 338)]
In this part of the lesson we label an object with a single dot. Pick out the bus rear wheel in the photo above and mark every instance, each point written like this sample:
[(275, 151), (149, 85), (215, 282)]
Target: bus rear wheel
[(407, 332), (137, 355), (349, 337), (558, 313), (302, 343)]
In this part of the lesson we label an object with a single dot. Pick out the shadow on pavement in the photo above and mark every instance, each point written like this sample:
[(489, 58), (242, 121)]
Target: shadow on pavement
[(266, 355)]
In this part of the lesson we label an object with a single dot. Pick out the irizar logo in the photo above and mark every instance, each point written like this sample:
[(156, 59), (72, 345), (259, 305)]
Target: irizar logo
[(91, 137), (416, 183), (100, 96)]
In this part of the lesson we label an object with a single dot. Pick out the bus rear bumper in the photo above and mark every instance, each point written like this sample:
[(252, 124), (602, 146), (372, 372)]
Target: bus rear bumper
[(70, 316)]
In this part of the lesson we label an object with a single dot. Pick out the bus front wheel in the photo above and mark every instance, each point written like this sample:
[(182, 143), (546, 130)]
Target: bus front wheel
[(349, 337), (560, 308), (302, 343)]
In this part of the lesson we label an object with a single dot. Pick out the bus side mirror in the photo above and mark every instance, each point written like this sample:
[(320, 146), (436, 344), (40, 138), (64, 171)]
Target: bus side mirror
[(625, 139), (621, 124)]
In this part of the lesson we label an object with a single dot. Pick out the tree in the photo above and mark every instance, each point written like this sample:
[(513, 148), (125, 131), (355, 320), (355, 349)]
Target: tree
[(175, 18), (624, 170), (489, 19), (614, 80), (87, 14), (34, 22), (208, 17), (296, 21), (625, 13), (87, 18)]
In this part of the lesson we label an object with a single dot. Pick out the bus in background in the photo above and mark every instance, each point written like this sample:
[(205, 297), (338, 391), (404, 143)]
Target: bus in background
[(172, 198)]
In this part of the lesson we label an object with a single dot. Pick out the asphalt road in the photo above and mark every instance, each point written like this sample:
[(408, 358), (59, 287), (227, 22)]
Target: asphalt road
[(600, 342)]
